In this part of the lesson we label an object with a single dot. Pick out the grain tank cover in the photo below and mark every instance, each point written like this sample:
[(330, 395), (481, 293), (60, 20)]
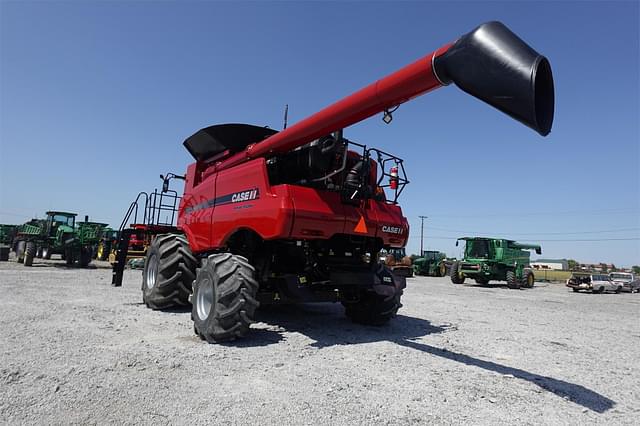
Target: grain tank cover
[(211, 141)]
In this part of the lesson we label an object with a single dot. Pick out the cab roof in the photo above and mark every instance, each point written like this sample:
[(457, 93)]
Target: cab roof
[(234, 137), (62, 213)]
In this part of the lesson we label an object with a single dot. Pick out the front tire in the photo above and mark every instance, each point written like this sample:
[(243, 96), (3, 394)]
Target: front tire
[(69, 257), (512, 282), (224, 298), (169, 271), (46, 252), (528, 280), (456, 276), (29, 253)]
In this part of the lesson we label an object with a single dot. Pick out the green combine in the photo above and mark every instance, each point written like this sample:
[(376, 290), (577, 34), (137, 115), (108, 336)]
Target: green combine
[(432, 263), (492, 259), (57, 234)]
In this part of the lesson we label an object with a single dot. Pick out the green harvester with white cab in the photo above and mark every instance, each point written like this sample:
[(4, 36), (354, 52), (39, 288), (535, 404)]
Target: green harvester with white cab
[(494, 259)]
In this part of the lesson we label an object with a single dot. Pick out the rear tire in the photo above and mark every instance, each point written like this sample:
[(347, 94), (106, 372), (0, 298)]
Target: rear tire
[(85, 257), (39, 253), (104, 248), (224, 298), (443, 270), (29, 253), (512, 282), (456, 276), (169, 271)]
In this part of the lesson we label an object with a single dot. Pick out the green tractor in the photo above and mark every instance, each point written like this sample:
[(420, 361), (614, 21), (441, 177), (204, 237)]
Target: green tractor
[(7, 234), (57, 234), (487, 259), (432, 263), (80, 246)]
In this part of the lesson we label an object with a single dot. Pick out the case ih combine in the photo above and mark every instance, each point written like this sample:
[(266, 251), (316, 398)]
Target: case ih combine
[(301, 214)]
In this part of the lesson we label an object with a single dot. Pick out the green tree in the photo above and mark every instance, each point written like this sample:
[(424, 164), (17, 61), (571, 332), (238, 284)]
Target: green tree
[(603, 267), (635, 269), (572, 264)]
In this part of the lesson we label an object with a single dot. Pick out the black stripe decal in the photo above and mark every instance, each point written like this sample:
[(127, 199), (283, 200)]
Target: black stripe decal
[(236, 197)]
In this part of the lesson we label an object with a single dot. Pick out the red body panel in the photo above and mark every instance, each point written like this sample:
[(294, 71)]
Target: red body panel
[(225, 202)]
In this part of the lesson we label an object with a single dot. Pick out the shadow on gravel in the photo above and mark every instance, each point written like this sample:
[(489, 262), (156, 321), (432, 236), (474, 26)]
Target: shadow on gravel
[(327, 325), (574, 393)]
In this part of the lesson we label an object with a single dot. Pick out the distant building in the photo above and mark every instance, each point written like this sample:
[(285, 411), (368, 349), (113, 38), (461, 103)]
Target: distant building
[(599, 267), (552, 264)]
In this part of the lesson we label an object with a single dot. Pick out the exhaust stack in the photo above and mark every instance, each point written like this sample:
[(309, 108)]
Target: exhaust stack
[(494, 65)]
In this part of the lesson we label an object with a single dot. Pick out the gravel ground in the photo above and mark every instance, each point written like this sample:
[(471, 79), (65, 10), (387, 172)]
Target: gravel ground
[(75, 350)]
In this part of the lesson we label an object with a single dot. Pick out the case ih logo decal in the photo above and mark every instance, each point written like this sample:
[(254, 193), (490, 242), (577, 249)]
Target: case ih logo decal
[(239, 197), (392, 229), (236, 197)]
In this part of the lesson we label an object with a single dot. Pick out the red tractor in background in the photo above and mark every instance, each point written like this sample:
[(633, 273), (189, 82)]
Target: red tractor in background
[(300, 215)]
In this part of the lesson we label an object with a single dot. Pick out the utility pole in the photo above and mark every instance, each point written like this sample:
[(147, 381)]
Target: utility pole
[(422, 218)]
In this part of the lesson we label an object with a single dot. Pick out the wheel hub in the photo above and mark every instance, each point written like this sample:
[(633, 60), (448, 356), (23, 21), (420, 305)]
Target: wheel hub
[(152, 271), (204, 300)]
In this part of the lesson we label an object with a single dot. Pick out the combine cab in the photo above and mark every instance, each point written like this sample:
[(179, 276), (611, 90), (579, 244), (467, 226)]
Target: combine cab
[(490, 259), (300, 215)]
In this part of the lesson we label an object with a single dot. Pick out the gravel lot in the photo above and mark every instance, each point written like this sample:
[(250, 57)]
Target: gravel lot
[(75, 350)]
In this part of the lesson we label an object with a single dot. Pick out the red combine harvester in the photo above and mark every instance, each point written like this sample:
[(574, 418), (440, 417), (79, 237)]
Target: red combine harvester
[(301, 214)]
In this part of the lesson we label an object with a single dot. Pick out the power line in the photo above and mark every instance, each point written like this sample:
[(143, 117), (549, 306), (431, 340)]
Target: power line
[(442, 237), (581, 212), (538, 233)]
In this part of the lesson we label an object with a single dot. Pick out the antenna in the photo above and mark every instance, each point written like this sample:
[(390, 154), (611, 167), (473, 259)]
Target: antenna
[(286, 115)]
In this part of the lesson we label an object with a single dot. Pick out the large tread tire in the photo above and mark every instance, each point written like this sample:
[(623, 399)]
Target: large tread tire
[(103, 250), (39, 253), (69, 257), (512, 281), (442, 270), (224, 298), (85, 257), (46, 253), (29, 253), (169, 271), (20, 248), (528, 279), (373, 308), (456, 277)]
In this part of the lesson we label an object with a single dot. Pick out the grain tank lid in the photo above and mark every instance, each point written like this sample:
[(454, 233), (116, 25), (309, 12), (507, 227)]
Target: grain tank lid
[(235, 137)]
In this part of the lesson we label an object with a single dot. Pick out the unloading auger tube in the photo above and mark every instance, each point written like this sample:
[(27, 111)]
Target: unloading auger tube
[(490, 63)]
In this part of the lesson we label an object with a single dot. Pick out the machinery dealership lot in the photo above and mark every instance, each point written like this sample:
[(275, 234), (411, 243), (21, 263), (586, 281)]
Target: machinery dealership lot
[(76, 350)]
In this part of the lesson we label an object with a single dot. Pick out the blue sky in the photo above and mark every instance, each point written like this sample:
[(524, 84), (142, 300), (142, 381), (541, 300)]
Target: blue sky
[(97, 97)]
